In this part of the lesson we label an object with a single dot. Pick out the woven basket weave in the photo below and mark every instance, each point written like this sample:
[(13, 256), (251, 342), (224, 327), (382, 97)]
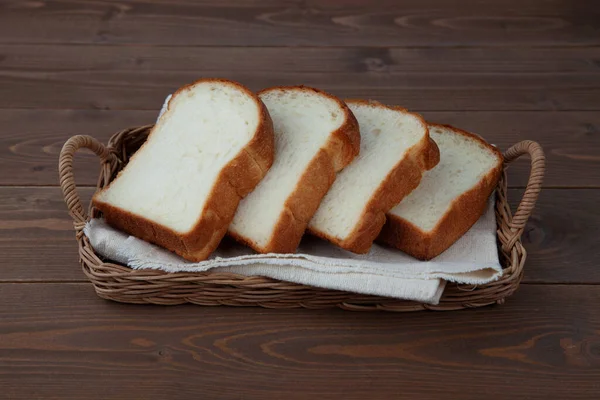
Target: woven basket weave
[(120, 283)]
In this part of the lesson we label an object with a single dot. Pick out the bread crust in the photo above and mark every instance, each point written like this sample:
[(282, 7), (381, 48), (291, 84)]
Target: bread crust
[(399, 182), (341, 148), (462, 214), (233, 183)]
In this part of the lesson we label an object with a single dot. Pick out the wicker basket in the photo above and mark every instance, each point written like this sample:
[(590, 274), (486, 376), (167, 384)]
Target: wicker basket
[(120, 283)]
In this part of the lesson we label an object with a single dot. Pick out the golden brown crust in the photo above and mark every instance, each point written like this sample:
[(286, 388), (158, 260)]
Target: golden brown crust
[(298, 209), (432, 158), (400, 181), (462, 213), (234, 182), (344, 143), (301, 205)]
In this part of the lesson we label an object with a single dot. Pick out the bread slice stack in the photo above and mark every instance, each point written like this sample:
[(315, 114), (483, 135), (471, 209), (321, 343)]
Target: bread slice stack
[(395, 151), (316, 136), (268, 167), (451, 197), (206, 152)]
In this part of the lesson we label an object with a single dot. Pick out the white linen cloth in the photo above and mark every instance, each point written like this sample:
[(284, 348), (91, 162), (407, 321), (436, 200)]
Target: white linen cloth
[(384, 271)]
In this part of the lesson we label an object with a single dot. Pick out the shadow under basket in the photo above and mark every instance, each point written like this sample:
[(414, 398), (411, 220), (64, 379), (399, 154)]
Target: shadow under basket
[(123, 284)]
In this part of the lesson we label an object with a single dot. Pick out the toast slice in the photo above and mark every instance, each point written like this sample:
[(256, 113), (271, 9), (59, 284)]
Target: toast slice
[(395, 150), (180, 190), (451, 197), (316, 135)]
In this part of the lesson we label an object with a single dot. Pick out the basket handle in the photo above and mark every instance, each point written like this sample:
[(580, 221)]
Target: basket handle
[(534, 185), (67, 179)]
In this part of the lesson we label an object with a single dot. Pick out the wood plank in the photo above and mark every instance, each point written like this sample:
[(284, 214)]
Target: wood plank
[(31, 141), (391, 60), (63, 342), (37, 241), (112, 77), (311, 22), (561, 237)]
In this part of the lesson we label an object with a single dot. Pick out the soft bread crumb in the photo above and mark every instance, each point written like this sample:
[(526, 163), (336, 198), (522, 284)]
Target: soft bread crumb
[(386, 136), (303, 121), (463, 163), (171, 178)]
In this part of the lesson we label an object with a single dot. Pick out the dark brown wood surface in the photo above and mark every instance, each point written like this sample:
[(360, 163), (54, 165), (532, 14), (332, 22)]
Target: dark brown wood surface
[(508, 70), (303, 23), (126, 77), (523, 349)]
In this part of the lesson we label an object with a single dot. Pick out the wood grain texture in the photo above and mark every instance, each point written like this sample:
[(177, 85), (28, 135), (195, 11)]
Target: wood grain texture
[(63, 342), (37, 240), (357, 59), (139, 77), (302, 23), (31, 141)]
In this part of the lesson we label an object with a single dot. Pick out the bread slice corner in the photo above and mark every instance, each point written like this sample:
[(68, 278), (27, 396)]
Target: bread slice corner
[(451, 197)]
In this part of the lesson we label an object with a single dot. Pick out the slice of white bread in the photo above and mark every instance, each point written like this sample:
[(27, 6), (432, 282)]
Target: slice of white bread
[(316, 135), (451, 197), (181, 189), (395, 150)]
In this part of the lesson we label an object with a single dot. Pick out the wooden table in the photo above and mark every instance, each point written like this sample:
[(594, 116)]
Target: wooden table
[(509, 70)]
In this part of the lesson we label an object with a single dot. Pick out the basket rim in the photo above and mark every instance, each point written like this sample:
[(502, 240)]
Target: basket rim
[(120, 283)]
